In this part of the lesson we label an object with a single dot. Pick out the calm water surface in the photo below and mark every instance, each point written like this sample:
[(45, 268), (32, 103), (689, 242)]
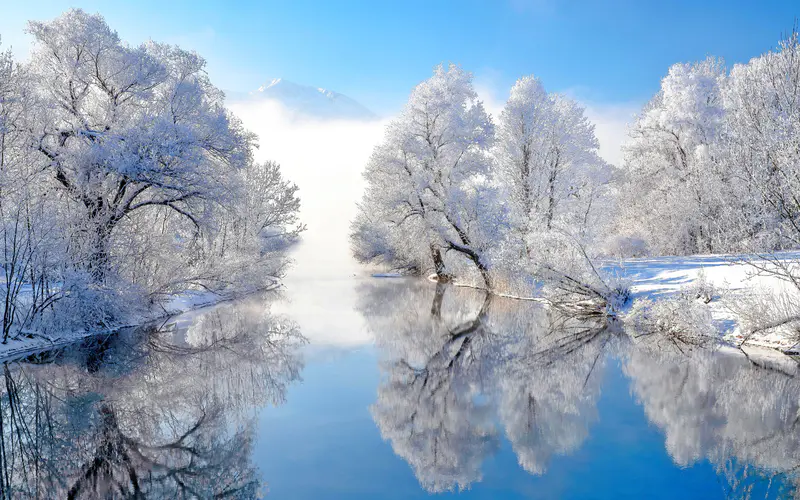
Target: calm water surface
[(368, 388)]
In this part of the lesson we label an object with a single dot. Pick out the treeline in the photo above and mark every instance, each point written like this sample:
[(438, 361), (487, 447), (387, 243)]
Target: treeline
[(713, 160), (712, 164), (123, 180)]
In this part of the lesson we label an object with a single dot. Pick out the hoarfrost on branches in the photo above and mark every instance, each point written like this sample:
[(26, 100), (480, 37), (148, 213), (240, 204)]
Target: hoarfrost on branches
[(125, 180)]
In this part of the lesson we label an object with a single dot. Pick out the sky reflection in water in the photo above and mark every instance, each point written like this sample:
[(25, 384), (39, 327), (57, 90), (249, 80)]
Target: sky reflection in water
[(456, 393)]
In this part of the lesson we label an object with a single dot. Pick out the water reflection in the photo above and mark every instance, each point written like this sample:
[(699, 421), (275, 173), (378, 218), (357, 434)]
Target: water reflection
[(462, 371), (461, 366), (171, 411), (157, 412), (741, 415)]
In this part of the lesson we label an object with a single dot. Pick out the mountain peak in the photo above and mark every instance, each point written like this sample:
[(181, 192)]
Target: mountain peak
[(313, 102), (272, 83)]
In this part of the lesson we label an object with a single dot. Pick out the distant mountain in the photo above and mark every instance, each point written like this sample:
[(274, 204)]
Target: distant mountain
[(312, 102)]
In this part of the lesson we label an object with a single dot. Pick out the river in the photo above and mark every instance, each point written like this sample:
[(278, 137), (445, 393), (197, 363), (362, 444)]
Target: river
[(357, 387)]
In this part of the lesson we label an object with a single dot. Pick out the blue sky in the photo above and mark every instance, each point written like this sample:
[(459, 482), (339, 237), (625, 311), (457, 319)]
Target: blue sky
[(376, 51)]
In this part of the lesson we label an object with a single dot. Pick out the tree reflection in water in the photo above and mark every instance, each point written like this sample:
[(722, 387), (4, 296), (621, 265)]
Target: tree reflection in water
[(156, 412), (169, 411), (740, 414), (462, 369), (458, 360)]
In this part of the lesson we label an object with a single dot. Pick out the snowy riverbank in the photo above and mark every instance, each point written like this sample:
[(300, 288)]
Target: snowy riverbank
[(182, 303), (661, 278), (727, 276)]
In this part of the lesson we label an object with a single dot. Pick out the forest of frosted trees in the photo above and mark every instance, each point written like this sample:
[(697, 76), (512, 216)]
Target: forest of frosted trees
[(125, 180), (522, 200)]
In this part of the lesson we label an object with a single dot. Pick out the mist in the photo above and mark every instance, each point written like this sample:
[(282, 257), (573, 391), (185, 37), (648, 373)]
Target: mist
[(325, 159)]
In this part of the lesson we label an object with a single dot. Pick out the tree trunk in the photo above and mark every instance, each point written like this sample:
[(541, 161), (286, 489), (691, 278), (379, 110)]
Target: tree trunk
[(551, 202), (439, 266), (551, 188), (527, 198), (487, 280), (99, 264)]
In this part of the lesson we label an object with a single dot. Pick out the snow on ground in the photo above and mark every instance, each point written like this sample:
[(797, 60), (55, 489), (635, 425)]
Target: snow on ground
[(17, 348), (190, 300), (664, 277)]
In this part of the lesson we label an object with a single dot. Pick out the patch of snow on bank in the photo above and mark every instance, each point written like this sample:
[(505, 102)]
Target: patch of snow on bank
[(664, 277)]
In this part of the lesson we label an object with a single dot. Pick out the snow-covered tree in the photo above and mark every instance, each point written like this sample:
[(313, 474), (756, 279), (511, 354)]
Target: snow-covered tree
[(547, 148), (548, 164), (709, 160), (124, 178), (441, 194), (676, 184), (32, 238), (127, 129), (712, 164), (523, 162), (763, 132), (427, 197)]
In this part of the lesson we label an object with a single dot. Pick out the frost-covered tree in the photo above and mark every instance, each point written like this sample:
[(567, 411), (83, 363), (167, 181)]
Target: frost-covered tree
[(712, 162), (522, 150), (127, 129), (763, 135), (763, 144), (240, 245), (124, 178), (440, 194), (427, 198), (547, 149), (548, 164), (32, 239), (709, 161), (676, 184)]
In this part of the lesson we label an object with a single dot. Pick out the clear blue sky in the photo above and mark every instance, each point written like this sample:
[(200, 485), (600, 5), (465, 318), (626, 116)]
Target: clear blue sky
[(375, 51)]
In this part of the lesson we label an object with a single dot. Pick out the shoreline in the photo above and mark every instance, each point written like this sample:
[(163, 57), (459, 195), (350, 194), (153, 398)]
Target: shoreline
[(20, 348)]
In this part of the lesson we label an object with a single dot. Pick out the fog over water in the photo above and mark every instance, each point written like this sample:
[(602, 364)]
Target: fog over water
[(325, 159)]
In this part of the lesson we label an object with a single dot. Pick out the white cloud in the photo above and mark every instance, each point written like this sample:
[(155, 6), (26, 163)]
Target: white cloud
[(493, 102)]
